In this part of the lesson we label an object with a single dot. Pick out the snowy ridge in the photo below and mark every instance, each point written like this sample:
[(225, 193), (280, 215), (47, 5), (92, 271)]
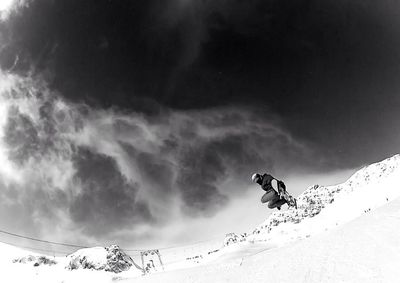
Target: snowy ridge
[(370, 187)]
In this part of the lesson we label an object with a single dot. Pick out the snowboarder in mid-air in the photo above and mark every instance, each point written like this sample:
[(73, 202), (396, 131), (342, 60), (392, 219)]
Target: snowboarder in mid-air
[(275, 191)]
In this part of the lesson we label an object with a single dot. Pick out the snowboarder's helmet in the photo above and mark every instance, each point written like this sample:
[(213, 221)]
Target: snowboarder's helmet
[(255, 177)]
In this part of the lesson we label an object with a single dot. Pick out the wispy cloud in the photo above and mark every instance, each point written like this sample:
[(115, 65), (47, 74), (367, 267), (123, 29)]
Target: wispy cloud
[(94, 172), (9, 6)]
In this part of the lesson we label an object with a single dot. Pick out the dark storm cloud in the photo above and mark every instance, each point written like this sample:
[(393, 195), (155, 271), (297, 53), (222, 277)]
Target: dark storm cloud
[(329, 68), (98, 172), (201, 170), (21, 136), (107, 201), (158, 172), (94, 194)]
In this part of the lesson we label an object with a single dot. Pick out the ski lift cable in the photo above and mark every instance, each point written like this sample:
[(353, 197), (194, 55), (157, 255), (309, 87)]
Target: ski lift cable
[(42, 241), (127, 250), (36, 249)]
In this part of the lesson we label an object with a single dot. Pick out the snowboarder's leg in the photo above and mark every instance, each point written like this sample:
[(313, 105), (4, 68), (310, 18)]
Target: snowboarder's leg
[(276, 203), (268, 196)]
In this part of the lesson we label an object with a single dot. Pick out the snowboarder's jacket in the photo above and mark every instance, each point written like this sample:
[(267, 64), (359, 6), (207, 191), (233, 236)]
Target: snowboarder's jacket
[(266, 182)]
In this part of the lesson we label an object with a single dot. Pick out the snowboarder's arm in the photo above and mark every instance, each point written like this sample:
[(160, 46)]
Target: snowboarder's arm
[(275, 184), (281, 188)]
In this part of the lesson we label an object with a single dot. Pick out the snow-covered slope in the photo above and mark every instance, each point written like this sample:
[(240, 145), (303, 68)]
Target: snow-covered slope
[(320, 208), (366, 249)]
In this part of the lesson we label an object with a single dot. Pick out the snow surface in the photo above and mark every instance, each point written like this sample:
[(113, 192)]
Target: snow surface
[(344, 233)]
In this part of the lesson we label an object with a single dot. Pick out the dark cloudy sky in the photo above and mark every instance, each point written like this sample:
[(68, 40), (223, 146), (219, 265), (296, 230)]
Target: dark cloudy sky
[(173, 104)]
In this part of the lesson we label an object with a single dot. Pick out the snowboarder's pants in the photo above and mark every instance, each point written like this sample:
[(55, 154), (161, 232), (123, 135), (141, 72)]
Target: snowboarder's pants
[(273, 198)]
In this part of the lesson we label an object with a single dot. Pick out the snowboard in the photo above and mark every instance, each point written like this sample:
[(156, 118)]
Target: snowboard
[(291, 201)]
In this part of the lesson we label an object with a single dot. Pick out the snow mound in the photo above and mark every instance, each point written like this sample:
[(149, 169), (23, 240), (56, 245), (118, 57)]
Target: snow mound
[(370, 187), (232, 238), (110, 258), (36, 260)]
